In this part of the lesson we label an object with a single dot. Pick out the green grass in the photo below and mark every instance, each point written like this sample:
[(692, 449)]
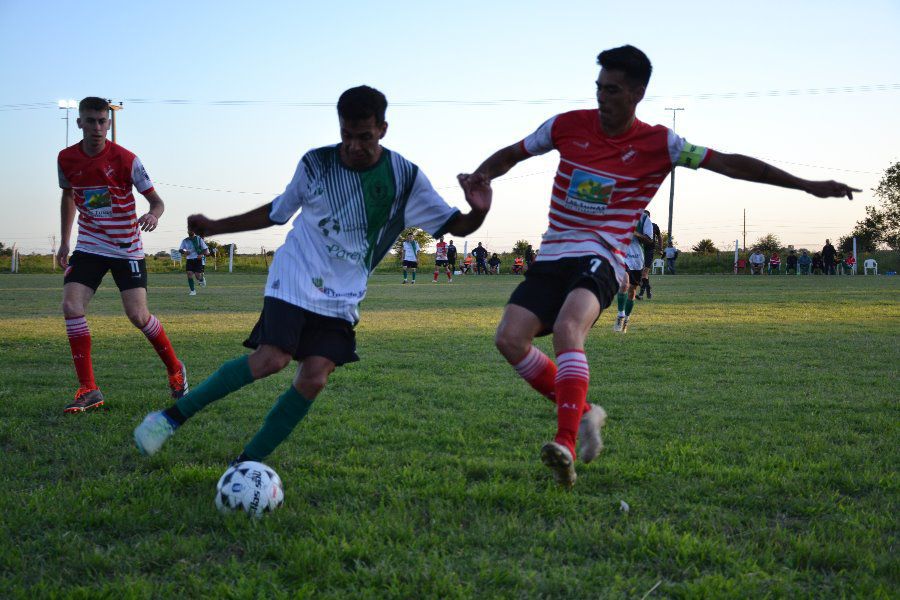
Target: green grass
[(753, 431)]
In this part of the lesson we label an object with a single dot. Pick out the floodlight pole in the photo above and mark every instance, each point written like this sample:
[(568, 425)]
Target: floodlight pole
[(114, 108), (672, 179)]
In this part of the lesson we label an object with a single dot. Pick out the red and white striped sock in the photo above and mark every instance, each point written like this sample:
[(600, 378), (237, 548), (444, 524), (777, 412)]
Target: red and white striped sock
[(572, 380), (157, 336), (539, 371), (80, 344)]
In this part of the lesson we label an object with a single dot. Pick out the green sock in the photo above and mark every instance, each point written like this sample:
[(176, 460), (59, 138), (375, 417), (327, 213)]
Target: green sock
[(620, 299), (404, 274), (289, 410), (191, 283), (629, 304), (414, 275), (230, 377)]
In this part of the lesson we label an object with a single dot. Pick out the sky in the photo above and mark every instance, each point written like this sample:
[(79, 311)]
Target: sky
[(221, 99)]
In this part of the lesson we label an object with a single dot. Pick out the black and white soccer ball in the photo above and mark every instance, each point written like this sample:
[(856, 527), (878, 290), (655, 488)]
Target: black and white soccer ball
[(250, 486)]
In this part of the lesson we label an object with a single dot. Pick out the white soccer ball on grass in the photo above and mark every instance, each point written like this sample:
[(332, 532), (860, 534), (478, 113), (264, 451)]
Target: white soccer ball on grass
[(250, 486)]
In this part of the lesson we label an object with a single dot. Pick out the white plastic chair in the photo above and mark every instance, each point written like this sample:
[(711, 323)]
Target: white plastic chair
[(870, 263), (658, 263)]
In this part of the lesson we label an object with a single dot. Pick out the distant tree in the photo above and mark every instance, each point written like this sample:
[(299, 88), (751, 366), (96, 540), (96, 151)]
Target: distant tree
[(420, 235), (768, 244), (5, 250), (888, 191), (213, 246), (520, 247), (665, 240), (705, 247)]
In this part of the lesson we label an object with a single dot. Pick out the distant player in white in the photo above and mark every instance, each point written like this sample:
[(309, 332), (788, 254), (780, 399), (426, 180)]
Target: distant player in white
[(354, 200), (410, 257), (195, 250), (634, 262)]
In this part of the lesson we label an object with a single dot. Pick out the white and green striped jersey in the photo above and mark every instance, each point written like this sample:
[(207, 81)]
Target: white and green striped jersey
[(348, 221)]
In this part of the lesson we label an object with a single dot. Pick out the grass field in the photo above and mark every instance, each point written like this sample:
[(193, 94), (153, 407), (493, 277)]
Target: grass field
[(753, 432)]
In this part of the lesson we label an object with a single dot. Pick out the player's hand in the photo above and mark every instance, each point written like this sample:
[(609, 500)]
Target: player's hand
[(477, 188), (148, 222), (62, 256), (830, 189), (201, 225)]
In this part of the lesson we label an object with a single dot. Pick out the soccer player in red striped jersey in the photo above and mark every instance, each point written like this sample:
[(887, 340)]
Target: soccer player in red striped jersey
[(96, 177), (440, 260), (611, 165)]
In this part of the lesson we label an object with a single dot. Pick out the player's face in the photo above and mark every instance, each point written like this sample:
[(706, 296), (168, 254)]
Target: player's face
[(360, 142), (94, 125), (617, 99)]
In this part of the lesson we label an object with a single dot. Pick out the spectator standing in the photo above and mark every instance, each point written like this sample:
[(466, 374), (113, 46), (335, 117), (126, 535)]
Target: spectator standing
[(671, 254), (828, 253), (480, 253)]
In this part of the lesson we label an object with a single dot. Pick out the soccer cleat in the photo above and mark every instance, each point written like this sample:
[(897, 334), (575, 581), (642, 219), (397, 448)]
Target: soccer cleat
[(649, 294), (152, 433), (558, 459), (178, 383), (413, 282), (589, 433), (203, 282), (404, 282), (625, 325), (620, 319), (192, 293), (85, 399)]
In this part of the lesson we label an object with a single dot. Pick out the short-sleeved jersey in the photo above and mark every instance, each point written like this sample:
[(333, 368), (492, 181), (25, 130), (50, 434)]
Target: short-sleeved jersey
[(603, 183), (348, 221), (440, 251), (194, 247), (107, 219), (451, 253), (634, 256), (410, 251)]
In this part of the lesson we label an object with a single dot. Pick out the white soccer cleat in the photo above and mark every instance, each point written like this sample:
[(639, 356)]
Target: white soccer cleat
[(152, 433), (203, 282), (589, 433), (625, 325), (620, 320), (559, 460), (192, 293)]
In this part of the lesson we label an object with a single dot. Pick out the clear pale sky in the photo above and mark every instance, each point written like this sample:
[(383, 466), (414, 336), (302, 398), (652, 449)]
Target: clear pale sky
[(812, 87)]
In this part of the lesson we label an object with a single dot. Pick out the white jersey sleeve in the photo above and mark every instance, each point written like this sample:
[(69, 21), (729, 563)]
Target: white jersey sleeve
[(541, 141), (685, 154), (186, 245), (294, 195), (426, 208), (139, 176), (648, 228)]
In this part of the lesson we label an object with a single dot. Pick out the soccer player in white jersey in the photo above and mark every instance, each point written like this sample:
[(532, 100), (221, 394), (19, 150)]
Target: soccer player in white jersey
[(354, 200), (97, 177), (611, 165), (410, 257), (634, 261), (195, 249)]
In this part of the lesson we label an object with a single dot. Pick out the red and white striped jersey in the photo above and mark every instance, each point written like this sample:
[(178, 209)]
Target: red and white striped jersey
[(440, 251), (603, 184), (107, 220)]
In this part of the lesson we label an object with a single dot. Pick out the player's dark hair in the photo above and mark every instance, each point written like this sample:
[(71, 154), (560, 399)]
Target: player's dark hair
[(629, 60), (93, 103), (360, 103)]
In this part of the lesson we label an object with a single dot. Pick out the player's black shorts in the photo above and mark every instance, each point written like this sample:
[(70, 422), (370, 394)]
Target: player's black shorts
[(410, 264), (195, 265), (303, 333), (547, 283), (634, 276), (441, 263), (89, 269), (648, 255)]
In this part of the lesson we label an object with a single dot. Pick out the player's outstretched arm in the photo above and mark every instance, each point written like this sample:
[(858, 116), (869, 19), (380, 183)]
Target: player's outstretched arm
[(479, 194), (150, 220), (500, 162), (739, 166), (258, 218), (67, 217)]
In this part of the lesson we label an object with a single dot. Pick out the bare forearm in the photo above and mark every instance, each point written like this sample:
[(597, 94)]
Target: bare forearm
[(501, 161), (67, 216), (258, 218), (738, 166)]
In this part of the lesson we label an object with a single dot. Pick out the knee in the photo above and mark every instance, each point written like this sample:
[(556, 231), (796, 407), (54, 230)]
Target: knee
[(511, 346), (311, 384), (566, 331), (269, 362), (72, 308), (137, 316)]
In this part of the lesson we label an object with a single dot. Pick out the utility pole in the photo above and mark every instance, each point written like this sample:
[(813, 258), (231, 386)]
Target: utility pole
[(53, 251), (114, 108), (67, 105), (672, 179)]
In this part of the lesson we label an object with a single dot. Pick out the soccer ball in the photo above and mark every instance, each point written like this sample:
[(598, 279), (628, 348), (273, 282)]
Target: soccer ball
[(249, 486)]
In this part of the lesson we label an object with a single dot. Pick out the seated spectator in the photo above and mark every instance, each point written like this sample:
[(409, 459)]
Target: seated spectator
[(494, 264), (757, 261), (518, 265), (850, 264), (791, 262), (467, 265), (818, 265), (804, 263), (774, 263)]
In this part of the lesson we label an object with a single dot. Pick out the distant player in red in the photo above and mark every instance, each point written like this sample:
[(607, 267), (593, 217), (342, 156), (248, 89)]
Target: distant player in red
[(96, 177), (440, 260), (611, 165)]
